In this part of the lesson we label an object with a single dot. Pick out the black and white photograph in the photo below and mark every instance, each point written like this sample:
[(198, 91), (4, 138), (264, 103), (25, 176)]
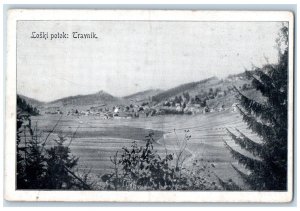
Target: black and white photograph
[(147, 102)]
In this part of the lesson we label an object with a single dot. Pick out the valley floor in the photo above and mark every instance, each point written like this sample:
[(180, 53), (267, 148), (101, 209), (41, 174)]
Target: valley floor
[(96, 140)]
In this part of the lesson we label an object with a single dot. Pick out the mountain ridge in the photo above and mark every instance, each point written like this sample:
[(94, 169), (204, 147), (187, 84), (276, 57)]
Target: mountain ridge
[(100, 97), (178, 90), (155, 95), (142, 95), (31, 101)]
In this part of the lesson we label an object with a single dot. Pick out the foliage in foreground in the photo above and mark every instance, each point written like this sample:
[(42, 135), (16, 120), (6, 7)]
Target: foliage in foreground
[(42, 167), (268, 164), (142, 168)]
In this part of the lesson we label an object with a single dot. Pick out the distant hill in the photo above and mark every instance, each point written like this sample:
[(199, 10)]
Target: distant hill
[(192, 88), (96, 99), (214, 91), (24, 105), (31, 101), (143, 96), (217, 92)]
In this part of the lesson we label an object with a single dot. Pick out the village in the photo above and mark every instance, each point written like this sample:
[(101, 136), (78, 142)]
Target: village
[(176, 101), (175, 106)]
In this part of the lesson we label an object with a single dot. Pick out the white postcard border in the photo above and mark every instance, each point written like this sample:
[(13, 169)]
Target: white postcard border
[(136, 196)]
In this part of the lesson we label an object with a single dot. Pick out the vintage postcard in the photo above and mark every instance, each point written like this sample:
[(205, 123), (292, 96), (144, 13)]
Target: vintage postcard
[(149, 106)]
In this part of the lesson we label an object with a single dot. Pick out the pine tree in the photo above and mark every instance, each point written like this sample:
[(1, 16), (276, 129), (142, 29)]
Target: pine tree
[(40, 167), (268, 119), (60, 165)]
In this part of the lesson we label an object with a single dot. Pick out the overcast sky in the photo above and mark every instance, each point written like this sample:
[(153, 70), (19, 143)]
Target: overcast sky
[(131, 56)]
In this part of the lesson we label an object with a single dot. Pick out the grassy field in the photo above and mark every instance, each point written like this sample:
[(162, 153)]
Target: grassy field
[(97, 139)]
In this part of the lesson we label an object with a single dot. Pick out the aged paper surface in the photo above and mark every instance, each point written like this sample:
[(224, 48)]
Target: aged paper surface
[(149, 106)]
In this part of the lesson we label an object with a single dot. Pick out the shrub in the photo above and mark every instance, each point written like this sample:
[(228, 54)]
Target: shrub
[(142, 168), (58, 174), (42, 168)]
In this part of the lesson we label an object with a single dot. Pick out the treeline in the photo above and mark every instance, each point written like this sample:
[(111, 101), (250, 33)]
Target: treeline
[(23, 106), (200, 98), (174, 91), (177, 96)]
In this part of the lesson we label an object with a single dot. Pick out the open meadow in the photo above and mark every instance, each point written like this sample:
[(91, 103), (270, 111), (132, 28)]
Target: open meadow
[(95, 140)]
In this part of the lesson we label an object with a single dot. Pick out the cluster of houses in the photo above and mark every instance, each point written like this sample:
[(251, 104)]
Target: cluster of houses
[(115, 112), (185, 106), (191, 109), (142, 111), (53, 110)]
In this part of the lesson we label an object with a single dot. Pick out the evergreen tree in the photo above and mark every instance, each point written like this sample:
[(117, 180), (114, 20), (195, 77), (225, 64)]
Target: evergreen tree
[(59, 161), (26, 107), (35, 163), (41, 167), (186, 96), (268, 119), (21, 170)]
